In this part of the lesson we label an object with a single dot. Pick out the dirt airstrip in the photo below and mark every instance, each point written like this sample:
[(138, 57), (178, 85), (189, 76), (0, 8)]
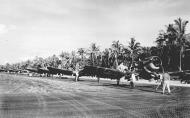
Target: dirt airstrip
[(34, 97)]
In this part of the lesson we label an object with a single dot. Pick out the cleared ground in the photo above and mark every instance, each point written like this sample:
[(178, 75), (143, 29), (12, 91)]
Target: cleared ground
[(30, 97)]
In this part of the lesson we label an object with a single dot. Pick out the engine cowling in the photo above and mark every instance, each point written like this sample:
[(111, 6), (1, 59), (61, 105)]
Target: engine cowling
[(150, 66), (153, 63)]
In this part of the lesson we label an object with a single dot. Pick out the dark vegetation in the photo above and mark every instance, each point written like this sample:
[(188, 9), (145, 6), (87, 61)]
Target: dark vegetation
[(172, 46)]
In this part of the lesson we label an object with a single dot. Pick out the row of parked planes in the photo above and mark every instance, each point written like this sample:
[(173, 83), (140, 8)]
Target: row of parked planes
[(94, 71), (148, 67)]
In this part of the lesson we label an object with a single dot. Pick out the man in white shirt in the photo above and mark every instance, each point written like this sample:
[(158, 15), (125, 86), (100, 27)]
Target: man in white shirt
[(77, 69), (165, 82), (132, 79)]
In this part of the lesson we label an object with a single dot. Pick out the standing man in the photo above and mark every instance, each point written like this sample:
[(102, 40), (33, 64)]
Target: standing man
[(77, 69), (132, 79), (165, 82)]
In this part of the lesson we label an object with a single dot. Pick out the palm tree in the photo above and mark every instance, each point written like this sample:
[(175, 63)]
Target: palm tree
[(133, 50), (161, 39), (53, 61), (116, 50), (81, 52), (180, 27), (38, 62), (73, 59), (25, 64), (64, 55), (166, 43), (93, 51), (65, 58), (170, 35), (145, 52), (105, 58)]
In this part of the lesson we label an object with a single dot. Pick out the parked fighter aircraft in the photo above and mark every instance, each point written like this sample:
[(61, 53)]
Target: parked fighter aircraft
[(43, 70), (101, 72)]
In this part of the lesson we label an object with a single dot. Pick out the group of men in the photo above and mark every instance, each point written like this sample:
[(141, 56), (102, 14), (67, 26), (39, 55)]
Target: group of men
[(163, 78)]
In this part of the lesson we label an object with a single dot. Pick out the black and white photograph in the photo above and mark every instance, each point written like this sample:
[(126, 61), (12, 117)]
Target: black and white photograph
[(94, 59)]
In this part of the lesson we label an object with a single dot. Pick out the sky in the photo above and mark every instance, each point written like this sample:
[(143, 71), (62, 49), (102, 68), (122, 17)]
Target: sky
[(30, 28)]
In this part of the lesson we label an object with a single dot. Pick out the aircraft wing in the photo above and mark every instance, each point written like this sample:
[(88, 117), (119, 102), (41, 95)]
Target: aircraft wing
[(101, 72), (59, 71), (42, 70), (32, 70)]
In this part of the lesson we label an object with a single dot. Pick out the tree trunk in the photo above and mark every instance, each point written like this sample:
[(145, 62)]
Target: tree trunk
[(132, 59), (93, 59), (82, 57), (116, 61), (118, 80), (76, 78), (180, 59), (98, 79)]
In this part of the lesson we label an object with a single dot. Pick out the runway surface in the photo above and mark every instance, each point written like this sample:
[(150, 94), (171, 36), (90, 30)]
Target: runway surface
[(32, 97)]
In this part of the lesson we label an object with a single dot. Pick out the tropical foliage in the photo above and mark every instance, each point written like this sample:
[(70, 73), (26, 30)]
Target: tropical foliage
[(172, 44)]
